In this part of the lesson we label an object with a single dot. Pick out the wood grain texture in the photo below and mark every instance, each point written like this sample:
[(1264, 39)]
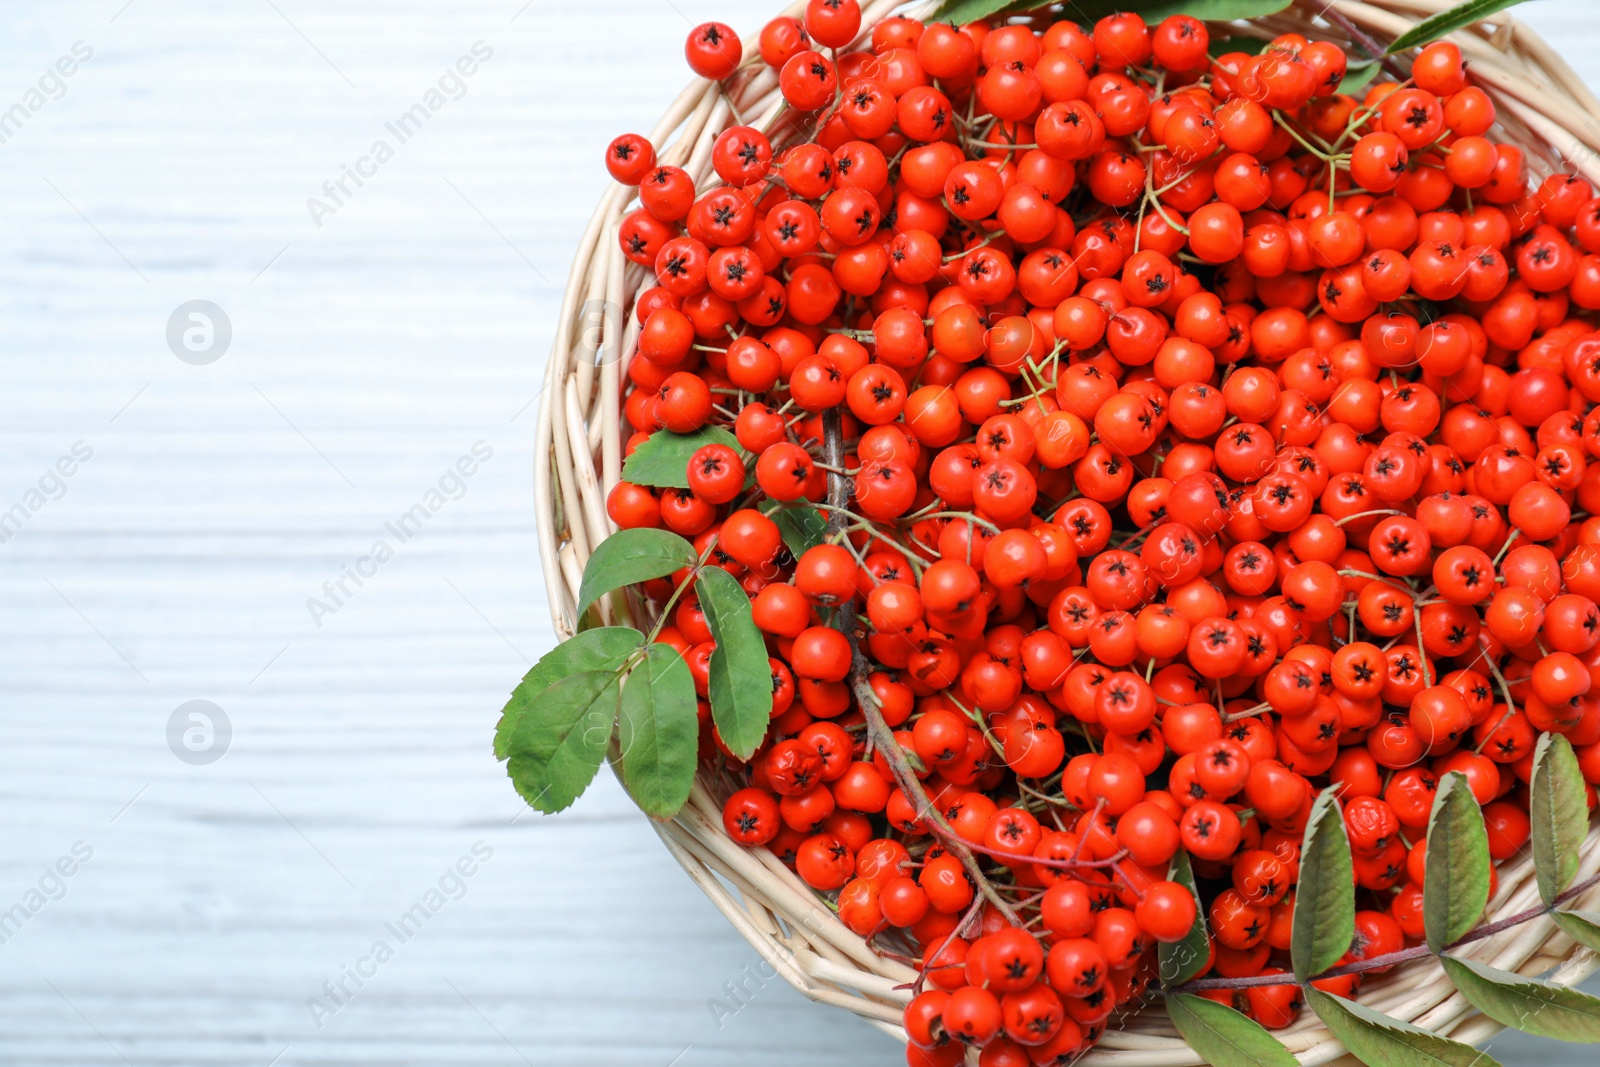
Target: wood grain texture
[(369, 354)]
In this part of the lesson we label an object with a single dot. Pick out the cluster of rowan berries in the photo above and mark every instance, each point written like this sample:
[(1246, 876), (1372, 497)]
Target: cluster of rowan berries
[(1318, 364)]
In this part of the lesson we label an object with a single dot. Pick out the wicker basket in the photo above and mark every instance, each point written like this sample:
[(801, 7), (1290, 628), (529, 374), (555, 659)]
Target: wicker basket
[(1543, 106)]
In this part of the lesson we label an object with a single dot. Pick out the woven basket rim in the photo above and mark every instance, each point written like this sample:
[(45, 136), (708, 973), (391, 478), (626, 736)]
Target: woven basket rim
[(1544, 106)]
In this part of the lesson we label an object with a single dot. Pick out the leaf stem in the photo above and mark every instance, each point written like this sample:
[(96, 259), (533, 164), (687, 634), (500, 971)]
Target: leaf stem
[(1405, 955), (672, 601)]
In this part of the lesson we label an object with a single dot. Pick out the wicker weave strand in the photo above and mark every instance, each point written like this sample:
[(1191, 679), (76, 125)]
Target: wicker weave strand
[(1544, 107)]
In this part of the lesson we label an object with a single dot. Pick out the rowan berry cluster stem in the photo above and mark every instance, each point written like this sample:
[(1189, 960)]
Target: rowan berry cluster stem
[(882, 736)]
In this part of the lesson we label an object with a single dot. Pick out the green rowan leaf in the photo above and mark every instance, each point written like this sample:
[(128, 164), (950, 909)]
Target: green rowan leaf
[(555, 750), (1456, 888), (1224, 1037), (1582, 926), (1325, 904), (741, 677), (1380, 1041), (659, 732), (1531, 1005), (1559, 810), (600, 649), (630, 556), (663, 460), (1459, 17)]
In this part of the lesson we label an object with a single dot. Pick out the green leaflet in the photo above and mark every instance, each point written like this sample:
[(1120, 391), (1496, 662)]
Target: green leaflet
[(1358, 76), (1182, 960), (1457, 884), (553, 755), (801, 525), (1560, 814), (1531, 1005), (1225, 1037), (1376, 1039), (1325, 907), (1458, 17), (962, 12), (660, 734), (602, 649), (1208, 10), (663, 460), (1582, 926), (741, 677), (630, 556)]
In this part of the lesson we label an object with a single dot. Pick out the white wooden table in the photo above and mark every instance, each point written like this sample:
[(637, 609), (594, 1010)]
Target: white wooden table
[(224, 904)]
